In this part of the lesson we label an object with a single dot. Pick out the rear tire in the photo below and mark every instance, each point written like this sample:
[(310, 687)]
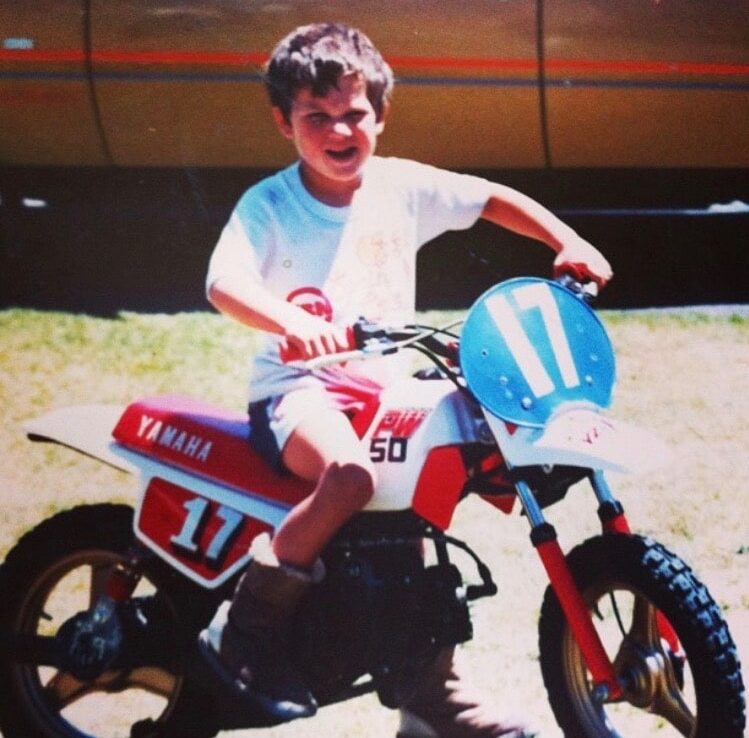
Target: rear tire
[(697, 692), (56, 570)]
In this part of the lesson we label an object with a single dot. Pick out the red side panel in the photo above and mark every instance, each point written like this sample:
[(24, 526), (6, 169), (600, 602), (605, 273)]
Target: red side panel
[(205, 440), (195, 533), (441, 481)]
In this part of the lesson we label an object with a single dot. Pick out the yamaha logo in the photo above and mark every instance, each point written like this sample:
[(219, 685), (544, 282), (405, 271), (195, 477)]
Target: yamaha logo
[(176, 439)]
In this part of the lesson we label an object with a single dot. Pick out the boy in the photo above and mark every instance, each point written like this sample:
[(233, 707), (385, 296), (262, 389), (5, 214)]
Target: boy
[(305, 253)]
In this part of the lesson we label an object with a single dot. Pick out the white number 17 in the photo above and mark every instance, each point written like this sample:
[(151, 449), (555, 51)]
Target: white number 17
[(536, 295)]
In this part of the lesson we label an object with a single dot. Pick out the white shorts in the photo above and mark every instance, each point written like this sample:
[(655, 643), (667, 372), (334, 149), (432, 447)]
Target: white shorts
[(274, 419)]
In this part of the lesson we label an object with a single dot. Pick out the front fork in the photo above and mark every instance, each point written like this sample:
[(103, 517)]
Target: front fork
[(606, 686)]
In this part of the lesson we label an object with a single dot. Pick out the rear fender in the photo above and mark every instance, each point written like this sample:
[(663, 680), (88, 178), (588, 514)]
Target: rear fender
[(87, 429)]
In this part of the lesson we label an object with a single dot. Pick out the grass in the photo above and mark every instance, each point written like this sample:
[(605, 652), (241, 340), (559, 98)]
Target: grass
[(682, 376)]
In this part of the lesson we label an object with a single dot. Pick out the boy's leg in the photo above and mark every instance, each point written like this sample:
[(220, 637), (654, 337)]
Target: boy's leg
[(325, 448), (247, 640), (444, 706)]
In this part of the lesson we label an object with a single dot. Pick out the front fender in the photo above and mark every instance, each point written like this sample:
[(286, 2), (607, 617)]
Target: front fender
[(584, 438)]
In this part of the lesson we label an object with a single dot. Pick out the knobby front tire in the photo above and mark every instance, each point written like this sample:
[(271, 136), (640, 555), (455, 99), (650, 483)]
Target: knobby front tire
[(692, 687)]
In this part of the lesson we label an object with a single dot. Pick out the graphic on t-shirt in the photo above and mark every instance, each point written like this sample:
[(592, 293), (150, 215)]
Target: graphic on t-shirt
[(313, 301)]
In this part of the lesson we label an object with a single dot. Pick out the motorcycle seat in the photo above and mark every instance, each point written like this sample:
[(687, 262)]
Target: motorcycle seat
[(204, 439)]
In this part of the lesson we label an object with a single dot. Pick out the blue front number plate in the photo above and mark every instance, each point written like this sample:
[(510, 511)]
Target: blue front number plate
[(529, 345)]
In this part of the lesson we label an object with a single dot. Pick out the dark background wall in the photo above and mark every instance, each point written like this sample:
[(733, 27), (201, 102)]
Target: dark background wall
[(103, 240)]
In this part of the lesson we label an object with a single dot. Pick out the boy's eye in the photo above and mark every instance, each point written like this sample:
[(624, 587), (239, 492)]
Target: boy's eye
[(317, 119), (352, 117)]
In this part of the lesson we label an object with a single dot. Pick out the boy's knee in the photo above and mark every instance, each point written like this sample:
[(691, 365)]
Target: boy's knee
[(352, 485)]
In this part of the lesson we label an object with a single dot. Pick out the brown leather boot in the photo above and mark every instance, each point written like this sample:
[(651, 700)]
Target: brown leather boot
[(247, 640), (443, 708)]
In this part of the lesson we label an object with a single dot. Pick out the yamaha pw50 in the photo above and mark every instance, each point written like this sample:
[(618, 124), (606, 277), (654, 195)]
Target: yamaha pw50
[(101, 605)]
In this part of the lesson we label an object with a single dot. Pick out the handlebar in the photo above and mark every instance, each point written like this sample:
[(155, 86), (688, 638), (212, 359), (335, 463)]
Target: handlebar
[(367, 340)]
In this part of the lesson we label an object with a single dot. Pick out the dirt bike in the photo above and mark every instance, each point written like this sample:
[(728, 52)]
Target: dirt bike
[(102, 604)]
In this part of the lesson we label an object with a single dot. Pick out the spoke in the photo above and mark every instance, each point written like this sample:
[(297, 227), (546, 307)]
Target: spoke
[(154, 680), (666, 698), (644, 627), (670, 704), (63, 689)]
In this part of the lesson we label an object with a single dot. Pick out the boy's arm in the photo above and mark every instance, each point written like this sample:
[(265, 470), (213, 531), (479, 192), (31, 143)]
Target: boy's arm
[(242, 298), (511, 209)]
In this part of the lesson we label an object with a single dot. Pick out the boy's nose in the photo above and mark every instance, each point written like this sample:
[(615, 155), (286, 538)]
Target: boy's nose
[(341, 128)]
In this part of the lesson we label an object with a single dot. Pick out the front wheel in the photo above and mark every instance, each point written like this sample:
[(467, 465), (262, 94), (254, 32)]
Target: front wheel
[(666, 637)]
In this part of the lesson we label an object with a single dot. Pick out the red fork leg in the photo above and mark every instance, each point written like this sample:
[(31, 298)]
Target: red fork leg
[(617, 524), (575, 609)]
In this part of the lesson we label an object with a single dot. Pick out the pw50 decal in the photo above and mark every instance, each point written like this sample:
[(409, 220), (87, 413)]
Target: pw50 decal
[(390, 438)]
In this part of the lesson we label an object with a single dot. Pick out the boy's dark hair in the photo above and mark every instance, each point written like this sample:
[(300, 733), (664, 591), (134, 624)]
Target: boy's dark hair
[(317, 56)]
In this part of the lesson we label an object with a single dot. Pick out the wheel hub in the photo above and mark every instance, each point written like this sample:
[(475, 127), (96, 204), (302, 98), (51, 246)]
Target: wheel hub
[(642, 674), (90, 644)]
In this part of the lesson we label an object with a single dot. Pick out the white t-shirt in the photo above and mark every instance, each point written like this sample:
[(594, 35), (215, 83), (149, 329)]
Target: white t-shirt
[(342, 263)]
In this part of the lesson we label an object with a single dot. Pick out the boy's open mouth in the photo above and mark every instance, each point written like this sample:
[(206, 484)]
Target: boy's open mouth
[(342, 154)]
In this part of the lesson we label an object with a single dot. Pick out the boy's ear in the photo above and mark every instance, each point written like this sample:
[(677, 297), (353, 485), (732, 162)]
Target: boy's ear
[(282, 124), (383, 116)]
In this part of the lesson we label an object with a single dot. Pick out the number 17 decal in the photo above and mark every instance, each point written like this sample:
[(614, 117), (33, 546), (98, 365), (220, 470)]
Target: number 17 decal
[(198, 512), (536, 295)]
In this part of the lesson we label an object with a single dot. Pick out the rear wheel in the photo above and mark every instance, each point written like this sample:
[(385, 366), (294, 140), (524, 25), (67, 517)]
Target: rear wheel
[(666, 637), (60, 569)]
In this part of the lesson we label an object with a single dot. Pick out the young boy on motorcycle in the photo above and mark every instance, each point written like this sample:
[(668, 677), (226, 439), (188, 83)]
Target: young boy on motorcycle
[(305, 253)]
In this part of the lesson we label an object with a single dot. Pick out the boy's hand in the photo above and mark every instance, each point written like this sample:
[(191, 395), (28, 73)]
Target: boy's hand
[(308, 336), (583, 261)]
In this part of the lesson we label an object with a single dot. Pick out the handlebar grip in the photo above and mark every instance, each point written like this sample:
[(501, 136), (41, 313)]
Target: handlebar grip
[(287, 353), (574, 281)]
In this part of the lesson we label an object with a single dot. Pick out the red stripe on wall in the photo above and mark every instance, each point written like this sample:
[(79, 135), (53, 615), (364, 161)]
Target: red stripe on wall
[(225, 58), (451, 62), (645, 67), (256, 58), (42, 55), (135, 57)]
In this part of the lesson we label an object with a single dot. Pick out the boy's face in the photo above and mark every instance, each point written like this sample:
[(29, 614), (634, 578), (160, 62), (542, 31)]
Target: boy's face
[(334, 136)]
